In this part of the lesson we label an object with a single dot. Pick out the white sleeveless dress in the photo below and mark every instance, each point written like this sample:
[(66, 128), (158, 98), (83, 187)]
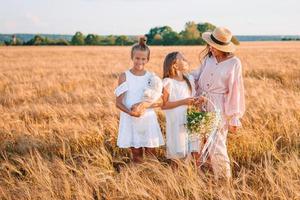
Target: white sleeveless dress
[(178, 143), (141, 131)]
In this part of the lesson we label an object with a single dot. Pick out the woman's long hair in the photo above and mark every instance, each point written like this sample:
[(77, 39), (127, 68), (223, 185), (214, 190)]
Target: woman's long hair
[(207, 53), (170, 72), (204, 53)]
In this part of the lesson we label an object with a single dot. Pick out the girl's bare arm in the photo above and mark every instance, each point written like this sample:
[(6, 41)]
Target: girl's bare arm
[(169, 105), (119, 99)]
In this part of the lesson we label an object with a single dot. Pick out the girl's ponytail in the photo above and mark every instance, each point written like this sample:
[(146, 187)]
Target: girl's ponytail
[(141, 46)]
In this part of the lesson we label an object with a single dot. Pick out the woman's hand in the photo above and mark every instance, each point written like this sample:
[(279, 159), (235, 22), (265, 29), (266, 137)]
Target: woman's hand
[(232, 129)]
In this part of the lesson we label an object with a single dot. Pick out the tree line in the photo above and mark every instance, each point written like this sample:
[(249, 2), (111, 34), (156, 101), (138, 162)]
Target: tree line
[(290, 39), (164, 35)]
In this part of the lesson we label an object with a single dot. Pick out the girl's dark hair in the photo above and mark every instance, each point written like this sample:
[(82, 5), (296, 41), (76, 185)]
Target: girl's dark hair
[(169, 71), (141, 46)]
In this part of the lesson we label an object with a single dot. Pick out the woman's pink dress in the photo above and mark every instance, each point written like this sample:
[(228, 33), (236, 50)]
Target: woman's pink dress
[(223, 84)]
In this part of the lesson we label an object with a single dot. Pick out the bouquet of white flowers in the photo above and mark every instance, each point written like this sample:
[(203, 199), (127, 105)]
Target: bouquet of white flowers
[(200, 123), (205, 125)]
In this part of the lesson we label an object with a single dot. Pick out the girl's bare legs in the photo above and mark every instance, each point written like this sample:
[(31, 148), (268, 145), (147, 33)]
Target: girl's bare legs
[(137, 154), (174, 165), (150, 152), (196, 157)]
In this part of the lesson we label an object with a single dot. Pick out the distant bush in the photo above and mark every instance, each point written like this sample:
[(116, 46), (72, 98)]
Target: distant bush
[(78, 39), (92, 39), (62, 42), (17, 42), (291, 39), (39, 40), (123, 40), (109, 40)]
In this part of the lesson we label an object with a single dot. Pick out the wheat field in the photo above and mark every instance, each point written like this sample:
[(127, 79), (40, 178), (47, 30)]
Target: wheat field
[(59, 123)]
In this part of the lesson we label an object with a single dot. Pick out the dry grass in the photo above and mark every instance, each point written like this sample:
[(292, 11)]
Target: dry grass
[(58, 128)]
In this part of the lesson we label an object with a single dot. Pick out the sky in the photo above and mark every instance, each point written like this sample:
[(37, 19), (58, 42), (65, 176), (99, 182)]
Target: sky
[(137, 17)]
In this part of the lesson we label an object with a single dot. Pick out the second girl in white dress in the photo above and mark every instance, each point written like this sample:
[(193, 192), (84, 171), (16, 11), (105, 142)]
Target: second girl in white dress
[(178, 94)]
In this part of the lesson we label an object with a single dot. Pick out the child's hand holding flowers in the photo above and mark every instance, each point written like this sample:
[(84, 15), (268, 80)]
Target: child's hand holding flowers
[(189, 101), (200, 101)]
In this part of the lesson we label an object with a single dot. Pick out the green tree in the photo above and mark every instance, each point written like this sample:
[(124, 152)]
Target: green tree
[(171, 38), (18, 42), (191, 34), (37, 40), (78, 39), (109, 40), (62, 42), (48, 41), (91, 39), (122, 40), (204, 27), (157, 30), (157, 40)]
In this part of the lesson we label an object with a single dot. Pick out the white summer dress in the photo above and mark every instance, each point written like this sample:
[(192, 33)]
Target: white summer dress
[(179, 144), (141, 131)]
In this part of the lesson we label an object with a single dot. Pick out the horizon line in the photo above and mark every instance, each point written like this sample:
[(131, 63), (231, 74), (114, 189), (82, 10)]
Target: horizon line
[(136, 34)]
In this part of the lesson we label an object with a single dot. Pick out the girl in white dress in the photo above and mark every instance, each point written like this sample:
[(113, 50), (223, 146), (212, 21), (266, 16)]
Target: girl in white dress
[(138, 128), (178, 93)]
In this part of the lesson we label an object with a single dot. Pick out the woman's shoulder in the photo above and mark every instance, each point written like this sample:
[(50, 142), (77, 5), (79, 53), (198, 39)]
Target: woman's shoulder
[(236, 60), (236, 63), (232, 60)]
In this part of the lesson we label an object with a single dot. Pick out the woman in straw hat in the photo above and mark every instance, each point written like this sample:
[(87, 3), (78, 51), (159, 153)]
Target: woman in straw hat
[(219, 78)]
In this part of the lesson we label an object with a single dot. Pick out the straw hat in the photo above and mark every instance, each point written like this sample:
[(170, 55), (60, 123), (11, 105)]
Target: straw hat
[(220, 38)]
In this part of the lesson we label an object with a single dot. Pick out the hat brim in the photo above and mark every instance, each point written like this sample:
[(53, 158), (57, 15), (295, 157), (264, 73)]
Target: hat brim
[(225, 48)]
